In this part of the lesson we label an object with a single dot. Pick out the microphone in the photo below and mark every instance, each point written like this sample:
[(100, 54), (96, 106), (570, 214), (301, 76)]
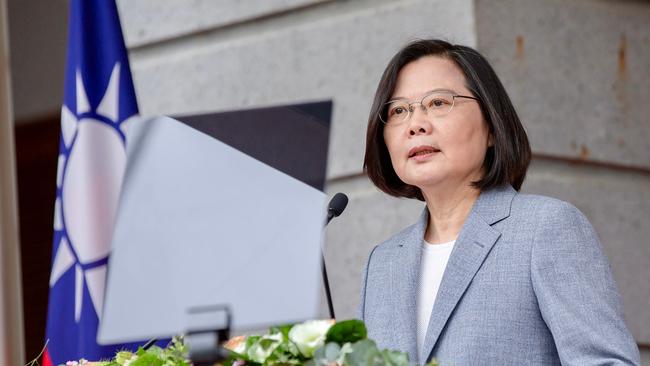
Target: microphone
[(334, 209), (338, 203)]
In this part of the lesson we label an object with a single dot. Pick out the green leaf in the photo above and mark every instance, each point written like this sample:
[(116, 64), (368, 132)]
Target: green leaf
[(327, 354), (345, 349), (122, 356), (395, 358), (284, 329), (251, 340), (147, 359), (332, 351), (347, 331), (364, 353)]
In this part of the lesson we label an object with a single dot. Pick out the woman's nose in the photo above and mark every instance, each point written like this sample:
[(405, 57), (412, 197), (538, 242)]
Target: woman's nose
[(419, 122)]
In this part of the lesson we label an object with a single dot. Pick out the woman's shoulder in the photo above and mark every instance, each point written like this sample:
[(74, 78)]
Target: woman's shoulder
[(544, 207), (548, 215), (553, 228)]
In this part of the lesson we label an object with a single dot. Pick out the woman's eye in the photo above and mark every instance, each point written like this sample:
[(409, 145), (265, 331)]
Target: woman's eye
[(438, 103), (396, 111)]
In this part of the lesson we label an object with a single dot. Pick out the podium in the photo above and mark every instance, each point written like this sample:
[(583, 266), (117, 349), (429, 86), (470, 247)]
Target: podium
[(218, 210)]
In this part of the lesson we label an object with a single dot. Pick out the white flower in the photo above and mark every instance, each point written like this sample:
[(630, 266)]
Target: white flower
[(309, 335), (263, 348)]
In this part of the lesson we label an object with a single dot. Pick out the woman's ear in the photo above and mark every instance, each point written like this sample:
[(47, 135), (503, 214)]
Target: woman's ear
[(490, 140)]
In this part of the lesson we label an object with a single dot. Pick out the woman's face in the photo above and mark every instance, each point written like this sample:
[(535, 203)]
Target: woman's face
[(452, 147)]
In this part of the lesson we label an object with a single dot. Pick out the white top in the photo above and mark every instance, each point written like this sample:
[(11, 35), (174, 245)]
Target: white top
[(432, 266)]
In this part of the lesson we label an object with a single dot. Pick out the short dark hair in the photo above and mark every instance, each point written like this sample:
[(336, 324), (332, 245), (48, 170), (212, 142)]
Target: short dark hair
[(505, 162)]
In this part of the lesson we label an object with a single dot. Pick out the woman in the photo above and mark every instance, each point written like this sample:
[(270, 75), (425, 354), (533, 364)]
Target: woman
[(487, 276)]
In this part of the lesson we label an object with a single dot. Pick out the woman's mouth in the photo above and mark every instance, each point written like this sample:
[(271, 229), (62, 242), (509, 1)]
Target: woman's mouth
[(422, 152)]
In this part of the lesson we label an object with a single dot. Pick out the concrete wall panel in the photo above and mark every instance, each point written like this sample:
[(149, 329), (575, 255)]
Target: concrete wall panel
[(339, 56), (155, 20), (577, 71)]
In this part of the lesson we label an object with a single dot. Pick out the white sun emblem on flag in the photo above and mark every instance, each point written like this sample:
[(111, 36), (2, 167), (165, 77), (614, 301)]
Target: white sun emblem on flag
[(88, 180)]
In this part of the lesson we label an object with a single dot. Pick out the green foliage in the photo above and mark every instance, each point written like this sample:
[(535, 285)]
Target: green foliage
[(364, 352), (283, 329), (345, 344), (347, 331), (361, 353), (326, 355), (146, 359), (175, 354)]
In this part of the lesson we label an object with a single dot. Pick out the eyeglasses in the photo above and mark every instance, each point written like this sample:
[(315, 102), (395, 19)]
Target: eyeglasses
[(435, 104)]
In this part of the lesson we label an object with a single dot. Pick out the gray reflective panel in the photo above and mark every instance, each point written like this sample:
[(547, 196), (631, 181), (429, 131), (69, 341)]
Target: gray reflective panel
[(202, 223)]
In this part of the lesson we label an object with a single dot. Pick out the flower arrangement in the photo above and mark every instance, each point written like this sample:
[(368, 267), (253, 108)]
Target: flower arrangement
[(175, 354), (312, 343)]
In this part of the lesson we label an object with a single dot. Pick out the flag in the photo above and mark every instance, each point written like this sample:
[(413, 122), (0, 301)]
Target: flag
[(99, 103)]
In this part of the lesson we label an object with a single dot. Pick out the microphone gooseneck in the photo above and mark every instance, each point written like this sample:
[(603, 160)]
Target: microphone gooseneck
[(334, 209)]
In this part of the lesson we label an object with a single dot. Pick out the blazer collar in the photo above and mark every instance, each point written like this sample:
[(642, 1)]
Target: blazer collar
[(473, 244), (494, 205)]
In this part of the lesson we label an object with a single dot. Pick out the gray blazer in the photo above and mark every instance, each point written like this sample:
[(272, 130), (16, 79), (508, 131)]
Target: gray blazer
[(527, 283)]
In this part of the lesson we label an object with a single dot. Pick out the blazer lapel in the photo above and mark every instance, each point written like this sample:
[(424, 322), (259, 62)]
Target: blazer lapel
[(404, 267), (473, 244)]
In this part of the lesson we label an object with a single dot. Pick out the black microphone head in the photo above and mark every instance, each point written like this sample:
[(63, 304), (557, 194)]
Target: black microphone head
[(338, 204)]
